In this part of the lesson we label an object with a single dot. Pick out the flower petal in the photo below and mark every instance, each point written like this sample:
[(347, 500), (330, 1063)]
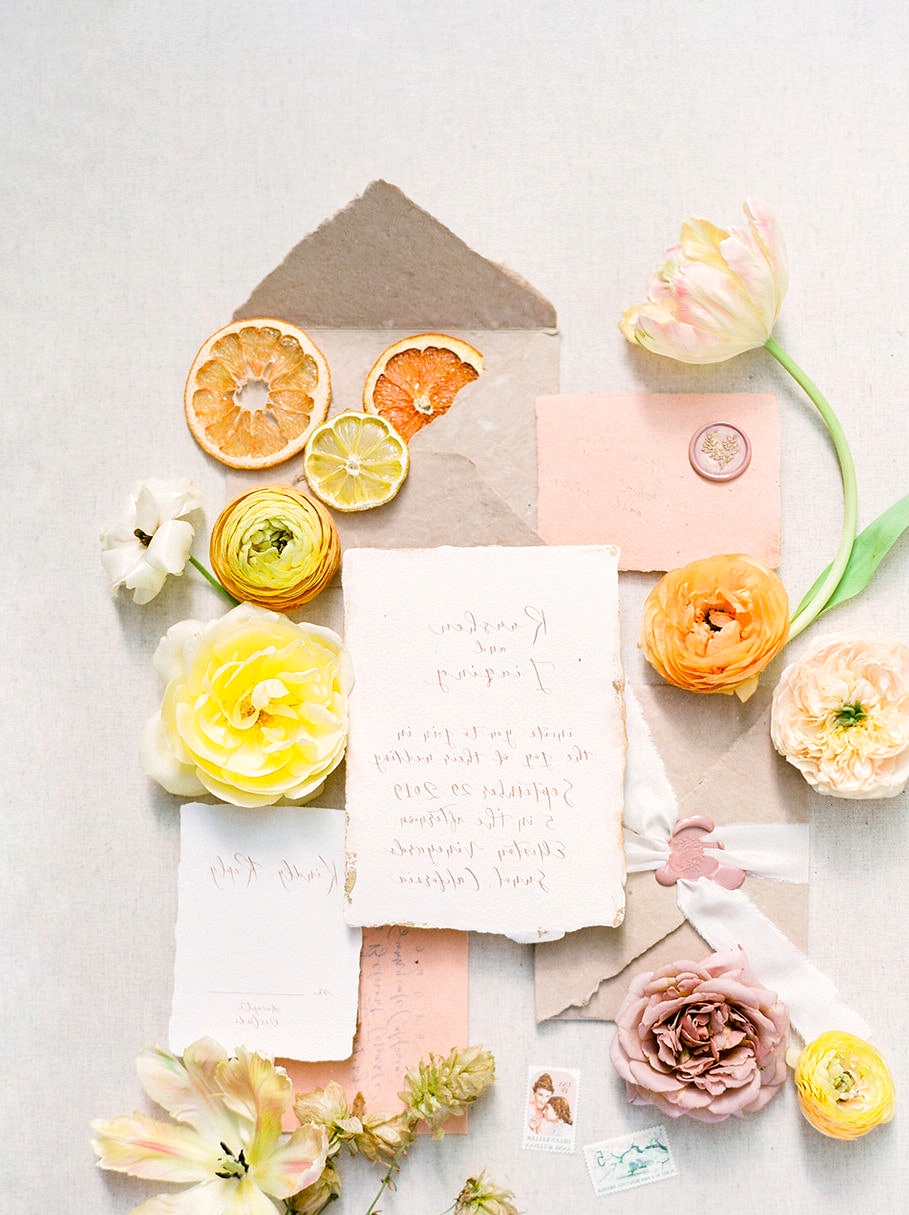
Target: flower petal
[(188, 1089), (215, 1197), (170, 545), (258, 1092), (158, 1151), (293, 1165), (160, 763)]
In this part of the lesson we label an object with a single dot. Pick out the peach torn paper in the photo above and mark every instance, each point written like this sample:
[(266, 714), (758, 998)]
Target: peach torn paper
[(615, 470)]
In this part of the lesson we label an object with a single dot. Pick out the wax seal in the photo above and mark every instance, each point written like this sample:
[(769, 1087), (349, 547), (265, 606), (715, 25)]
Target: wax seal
[(719, 451), (691, 858)]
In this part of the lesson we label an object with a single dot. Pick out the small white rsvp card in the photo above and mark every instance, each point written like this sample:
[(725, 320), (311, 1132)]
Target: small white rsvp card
[(264, 958), (487, 739)]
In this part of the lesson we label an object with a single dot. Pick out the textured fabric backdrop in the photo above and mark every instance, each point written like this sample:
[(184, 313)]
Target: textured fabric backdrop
[(159, 160)]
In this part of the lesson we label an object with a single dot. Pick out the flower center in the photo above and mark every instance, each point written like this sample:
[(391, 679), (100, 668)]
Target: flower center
[(717, 618), (254, 708), (230, 1165), (850, 715), (844, 1083), (271, 536), (143, 537)]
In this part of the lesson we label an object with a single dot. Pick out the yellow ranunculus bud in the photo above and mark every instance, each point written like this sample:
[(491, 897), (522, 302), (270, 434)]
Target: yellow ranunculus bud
[(844, 1086), (275, 547)]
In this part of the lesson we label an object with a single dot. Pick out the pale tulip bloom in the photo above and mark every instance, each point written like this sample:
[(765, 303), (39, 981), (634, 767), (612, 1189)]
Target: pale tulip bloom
[(152, 538), (717, 294), (226, 1144), (841, 716)]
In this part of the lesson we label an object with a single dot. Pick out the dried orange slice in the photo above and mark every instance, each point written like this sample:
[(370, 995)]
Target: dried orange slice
[(415, 380), (255, 392), (355, 461)]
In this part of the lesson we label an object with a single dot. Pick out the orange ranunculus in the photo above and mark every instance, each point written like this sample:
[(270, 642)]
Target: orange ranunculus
[(275, 547), (713, 625), (844, 1086)]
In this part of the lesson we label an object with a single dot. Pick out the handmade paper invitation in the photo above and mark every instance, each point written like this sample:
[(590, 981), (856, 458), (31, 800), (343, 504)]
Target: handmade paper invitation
[(413, 1002), (264, 958), (667, 477), (486, 749)]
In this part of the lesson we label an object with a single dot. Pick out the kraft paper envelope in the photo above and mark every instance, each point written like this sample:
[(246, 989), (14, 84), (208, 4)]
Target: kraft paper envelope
[(720, 761), (383, 269)]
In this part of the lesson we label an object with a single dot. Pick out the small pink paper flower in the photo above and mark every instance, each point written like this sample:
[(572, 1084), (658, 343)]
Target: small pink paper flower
[(702, 1039), (841, 715)]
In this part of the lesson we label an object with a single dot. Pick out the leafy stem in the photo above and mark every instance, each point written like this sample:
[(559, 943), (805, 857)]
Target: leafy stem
[(810, 610)]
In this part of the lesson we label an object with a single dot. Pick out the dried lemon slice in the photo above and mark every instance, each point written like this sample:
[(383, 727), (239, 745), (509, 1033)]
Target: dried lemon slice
[(255, 392), (355, 461), (415, 380)]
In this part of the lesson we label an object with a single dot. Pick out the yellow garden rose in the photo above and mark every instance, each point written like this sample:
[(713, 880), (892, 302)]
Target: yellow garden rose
[(844, 1086), (275, 546), (713, 625), (255, 708)]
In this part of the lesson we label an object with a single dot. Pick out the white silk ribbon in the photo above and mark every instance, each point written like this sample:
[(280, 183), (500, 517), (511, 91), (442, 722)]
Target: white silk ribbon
[(778, 851)]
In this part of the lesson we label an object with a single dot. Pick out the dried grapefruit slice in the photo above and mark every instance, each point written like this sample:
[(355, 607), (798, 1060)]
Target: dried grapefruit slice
[(255, 392), (415, 380), (355, 461)]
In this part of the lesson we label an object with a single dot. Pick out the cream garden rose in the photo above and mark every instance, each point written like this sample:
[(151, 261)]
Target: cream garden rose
[(255, 708), (841, 715)]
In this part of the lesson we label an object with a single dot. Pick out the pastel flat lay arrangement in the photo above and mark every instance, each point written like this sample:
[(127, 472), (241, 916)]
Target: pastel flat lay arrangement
[(406, 719)]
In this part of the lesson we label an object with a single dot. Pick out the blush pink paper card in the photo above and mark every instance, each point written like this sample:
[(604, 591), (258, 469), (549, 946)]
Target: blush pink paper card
[(615, 470), (413, 1001)]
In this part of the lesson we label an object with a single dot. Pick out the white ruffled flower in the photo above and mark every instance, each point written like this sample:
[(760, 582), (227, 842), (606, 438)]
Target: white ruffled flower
[(152, 539), (841, 715)]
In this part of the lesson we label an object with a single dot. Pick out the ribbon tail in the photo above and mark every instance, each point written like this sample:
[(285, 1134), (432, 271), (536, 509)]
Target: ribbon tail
[(725, 918), (768, 850)]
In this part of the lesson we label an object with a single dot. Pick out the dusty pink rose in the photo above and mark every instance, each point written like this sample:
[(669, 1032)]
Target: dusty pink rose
[(702, 1039)]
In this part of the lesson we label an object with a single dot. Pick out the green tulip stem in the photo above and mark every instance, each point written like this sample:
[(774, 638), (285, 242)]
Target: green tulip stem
[(212, 579), (816, 604)]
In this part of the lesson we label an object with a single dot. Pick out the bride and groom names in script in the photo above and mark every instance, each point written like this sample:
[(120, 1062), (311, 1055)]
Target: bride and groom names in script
[(484, 786)]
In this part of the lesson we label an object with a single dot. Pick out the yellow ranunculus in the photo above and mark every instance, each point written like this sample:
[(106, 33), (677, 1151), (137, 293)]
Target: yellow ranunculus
[(844, 1086), (275, 546), (255, 708), (717, 294), (713, 625)]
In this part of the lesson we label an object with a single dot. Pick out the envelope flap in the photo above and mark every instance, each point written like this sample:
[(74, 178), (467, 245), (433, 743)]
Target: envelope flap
[(382, 262)]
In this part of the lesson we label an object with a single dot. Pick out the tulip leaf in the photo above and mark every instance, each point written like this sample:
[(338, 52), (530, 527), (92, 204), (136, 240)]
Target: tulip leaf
[(868, 550)]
